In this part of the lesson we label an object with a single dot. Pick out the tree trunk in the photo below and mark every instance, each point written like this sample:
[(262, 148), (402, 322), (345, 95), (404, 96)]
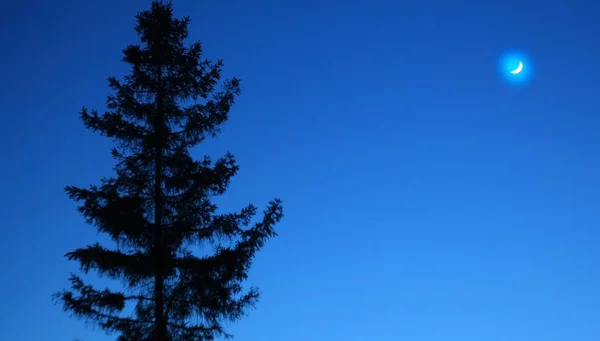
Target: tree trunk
[(160, 324)]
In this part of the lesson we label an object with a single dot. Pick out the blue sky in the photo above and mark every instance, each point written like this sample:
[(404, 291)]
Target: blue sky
[(425, 198)]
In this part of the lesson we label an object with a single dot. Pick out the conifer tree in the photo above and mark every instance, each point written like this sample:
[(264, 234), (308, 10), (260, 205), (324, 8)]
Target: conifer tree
[(157, 207)]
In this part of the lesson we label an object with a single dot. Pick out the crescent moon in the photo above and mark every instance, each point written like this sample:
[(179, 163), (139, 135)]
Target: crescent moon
[(518, 69)]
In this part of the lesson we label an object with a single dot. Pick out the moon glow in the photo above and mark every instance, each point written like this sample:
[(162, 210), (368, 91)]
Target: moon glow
[(518, 69)]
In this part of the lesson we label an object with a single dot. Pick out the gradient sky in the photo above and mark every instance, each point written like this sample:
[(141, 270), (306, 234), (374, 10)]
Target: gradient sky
[(425, 199)]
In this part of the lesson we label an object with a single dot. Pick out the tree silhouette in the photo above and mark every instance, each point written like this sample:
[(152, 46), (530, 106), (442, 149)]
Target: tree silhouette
[(157, 208)]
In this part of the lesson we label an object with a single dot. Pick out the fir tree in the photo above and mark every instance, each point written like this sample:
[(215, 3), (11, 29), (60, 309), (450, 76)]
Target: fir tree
[(157, 208)]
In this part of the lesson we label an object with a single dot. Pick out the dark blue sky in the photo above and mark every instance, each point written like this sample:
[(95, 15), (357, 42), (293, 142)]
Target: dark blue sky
[(425, 198)]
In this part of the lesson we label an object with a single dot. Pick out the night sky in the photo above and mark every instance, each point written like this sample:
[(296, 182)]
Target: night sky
[(427, 198)]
